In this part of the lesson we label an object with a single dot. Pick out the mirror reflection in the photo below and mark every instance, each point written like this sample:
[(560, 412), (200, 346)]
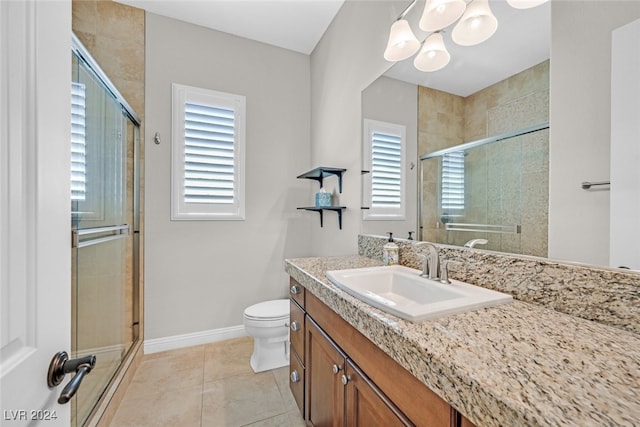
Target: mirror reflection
[(484, 162), (584, 225)]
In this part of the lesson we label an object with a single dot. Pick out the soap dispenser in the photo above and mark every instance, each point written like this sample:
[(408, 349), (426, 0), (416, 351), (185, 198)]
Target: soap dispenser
[(390, 252)]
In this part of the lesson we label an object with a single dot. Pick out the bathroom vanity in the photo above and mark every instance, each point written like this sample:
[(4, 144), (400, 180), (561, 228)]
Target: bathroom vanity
[(345, 378), (518, 364)]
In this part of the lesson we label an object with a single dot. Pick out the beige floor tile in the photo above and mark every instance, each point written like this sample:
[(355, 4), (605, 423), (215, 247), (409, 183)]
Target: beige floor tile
[(177, 407), (282, 380), (227, 358), (277, 421), (210, 385), (178, 353), (241, 400), (295, 419), (168, 370), (290, 419)]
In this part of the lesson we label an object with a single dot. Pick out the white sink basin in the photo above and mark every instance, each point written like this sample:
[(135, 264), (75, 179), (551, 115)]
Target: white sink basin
[(402, 292)]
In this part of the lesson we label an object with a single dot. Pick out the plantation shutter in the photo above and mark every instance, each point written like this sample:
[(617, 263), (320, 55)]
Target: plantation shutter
[(453, 180), (386, 170), (209, 175), (78, 142), (208, 146)]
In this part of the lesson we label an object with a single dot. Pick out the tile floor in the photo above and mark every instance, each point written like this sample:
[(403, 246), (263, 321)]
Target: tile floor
[(207, 385)]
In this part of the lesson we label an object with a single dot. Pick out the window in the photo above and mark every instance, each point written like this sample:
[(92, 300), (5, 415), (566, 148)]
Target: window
[(208, 155), (78, 143), (453, 182), (384, 186)]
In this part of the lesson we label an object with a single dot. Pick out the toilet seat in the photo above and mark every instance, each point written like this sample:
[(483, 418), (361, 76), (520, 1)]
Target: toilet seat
[(268, 310)]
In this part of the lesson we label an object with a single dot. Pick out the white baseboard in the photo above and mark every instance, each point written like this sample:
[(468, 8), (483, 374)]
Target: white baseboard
[(156, 345)]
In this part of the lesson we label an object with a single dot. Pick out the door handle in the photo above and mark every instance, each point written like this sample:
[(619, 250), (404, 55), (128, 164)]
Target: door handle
[(61, 365)]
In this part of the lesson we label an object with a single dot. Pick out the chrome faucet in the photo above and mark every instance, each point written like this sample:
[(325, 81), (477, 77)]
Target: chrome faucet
[(430, 262)]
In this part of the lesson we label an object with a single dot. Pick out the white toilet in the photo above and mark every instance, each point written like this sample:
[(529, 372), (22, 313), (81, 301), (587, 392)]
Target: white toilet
[(268, 323)]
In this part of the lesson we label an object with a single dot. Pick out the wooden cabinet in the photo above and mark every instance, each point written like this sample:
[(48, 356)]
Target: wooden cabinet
[(296, 380), (338, 393), (465, 422), (297, 345), (296, 329), (325, 392), (349, 381), (366, 405)]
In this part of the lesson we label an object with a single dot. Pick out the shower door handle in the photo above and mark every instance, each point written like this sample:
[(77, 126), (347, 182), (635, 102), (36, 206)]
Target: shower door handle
[(61, 365)]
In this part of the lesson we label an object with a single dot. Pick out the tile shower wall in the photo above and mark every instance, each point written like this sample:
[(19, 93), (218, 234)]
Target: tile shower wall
[(506, 182)]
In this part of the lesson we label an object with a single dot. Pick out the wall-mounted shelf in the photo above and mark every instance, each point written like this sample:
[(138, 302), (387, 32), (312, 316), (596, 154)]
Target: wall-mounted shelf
[(320, 173), (320, 209)]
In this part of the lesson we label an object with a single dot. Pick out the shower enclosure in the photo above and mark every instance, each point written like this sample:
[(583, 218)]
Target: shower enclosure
[(495, 189), (105, 225)]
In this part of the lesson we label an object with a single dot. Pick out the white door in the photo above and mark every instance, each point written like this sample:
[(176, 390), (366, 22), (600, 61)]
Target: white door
[(35, 257)]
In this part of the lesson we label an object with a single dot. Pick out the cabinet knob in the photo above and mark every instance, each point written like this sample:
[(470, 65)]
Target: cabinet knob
[(337, 368), (345, 379), (295, 376), (295, 327), (295, 289)]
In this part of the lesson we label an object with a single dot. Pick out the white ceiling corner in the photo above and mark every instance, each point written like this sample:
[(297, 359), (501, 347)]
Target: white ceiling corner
[(296, 25)]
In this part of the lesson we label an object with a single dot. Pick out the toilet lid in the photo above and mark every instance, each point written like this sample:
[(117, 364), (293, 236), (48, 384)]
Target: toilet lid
[(268, 309)]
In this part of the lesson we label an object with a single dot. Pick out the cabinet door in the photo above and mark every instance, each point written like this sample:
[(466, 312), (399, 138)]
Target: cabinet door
[(366, 406), (465, 422), (324, 369)]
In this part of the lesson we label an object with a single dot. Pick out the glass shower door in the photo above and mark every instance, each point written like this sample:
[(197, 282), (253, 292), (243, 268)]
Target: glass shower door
[(103, 249), (492, 189)]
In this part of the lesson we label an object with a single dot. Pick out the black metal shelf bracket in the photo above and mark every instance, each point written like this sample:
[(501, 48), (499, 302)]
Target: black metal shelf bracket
[(320, 173), (320, 210)]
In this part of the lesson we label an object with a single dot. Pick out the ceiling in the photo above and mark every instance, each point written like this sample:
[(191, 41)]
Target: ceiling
[(521, 41), (296, 25)]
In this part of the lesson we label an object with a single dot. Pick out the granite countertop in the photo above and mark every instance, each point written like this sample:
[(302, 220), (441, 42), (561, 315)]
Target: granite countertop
[(518, 364)]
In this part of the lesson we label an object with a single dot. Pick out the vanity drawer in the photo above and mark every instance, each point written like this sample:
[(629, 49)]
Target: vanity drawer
[(297, 292), (296, 381), (296, 329)]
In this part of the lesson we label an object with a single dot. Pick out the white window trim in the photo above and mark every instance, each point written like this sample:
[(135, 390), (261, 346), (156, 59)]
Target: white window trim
[(380, 213), (181, 210)]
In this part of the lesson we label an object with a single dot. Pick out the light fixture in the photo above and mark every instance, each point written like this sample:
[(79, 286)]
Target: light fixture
[(476, 25), (402, 42), (439, 14), (525, 4), (433, 56)]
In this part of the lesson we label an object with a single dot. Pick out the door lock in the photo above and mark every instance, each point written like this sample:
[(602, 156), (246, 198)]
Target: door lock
[(61, 365)]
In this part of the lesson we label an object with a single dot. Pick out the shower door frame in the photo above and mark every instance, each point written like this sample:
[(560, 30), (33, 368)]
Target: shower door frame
[(110, 393)]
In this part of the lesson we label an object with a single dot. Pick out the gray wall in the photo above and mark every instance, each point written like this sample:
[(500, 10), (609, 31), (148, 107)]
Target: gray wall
[(200, 275), (346, 60), (580, 125), (394, 101)]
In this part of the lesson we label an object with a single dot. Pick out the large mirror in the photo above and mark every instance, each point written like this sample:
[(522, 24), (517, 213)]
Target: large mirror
[(494, 119)]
